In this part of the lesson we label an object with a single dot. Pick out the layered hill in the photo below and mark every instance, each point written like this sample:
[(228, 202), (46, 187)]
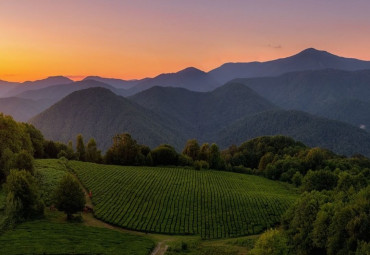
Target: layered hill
[(117, 83), (314, 131), (309, 59), (22, 109), (205, 112), (228, 115), (99, 113), (6, 86), (36, 85), (57, 92), (190, 78), (336, 94)]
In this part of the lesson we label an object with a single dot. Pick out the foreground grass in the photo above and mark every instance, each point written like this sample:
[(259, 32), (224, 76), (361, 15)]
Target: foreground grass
[(51, 237), (193, 246)]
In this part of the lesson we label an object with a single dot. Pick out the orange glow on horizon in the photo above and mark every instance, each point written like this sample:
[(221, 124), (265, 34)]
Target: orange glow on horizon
[(138, 39)]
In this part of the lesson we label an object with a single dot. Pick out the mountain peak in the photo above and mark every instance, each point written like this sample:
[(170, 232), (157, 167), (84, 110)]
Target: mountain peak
[(94, 91), (57, 77), (91, 77), (191, 70), (312, 52), (51, 80)]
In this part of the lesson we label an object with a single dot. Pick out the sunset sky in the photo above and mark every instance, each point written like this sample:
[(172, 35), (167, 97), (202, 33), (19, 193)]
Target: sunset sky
[(136, 39)]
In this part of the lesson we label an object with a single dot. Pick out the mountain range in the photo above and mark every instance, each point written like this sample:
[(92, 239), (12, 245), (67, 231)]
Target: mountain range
[(307, 96), (99, 113), (9, 89), (309, 59), (336, 94), (194, 79)]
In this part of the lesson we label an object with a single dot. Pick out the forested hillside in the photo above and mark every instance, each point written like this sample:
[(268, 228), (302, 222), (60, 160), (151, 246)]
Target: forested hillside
[(335, 94), (311, 130), (99, 113), (227, 115)]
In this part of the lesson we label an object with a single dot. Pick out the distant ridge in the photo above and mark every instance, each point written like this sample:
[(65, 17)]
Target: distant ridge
[(22, 109), (190, 78), (308, 59), (117, 83), (336, 94), (57, 92), (39, 84), (194, 79)]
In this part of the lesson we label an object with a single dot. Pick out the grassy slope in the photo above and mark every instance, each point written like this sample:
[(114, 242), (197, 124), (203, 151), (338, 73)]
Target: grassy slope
[(53, 235), (212, 204)]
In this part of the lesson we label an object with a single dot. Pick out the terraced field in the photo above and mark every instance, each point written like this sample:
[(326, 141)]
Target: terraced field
[(212, 204)]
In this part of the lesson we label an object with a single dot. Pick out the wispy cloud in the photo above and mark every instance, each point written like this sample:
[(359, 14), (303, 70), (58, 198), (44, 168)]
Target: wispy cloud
[(274, 46)]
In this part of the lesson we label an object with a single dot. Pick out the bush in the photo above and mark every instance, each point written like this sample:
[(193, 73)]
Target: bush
[(23, 199), (185, 160), (272, 242), (24, 160), (62, 154), (297, 179), (164, 155), (319, 180), (201, 164), (242, 169)]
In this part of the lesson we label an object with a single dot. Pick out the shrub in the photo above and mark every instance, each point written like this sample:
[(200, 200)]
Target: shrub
[(201, 164), (242, 169), (185, 160), (23, 199), (272, 242), (319, 180)]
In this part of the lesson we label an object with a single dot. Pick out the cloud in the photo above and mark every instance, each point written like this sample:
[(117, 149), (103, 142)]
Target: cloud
[(9, 75), (274, 46)]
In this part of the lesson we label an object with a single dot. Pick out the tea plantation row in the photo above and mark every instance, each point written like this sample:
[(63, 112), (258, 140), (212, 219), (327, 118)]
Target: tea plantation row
[(212, 204)]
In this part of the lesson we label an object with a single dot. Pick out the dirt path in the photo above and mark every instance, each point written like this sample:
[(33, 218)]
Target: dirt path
[(90, 220), (160, 249)]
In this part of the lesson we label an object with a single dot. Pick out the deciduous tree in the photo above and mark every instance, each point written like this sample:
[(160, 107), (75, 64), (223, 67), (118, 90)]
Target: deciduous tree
[(69, 197)]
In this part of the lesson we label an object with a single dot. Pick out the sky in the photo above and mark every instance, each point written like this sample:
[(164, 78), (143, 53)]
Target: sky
[(137, 39)]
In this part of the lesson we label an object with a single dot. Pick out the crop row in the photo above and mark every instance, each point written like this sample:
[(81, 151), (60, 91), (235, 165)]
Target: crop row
[(211, 204)]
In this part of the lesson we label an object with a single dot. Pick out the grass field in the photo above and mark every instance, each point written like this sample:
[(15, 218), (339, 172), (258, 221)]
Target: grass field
[(53, 235), (212, 204), (45, 237)]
